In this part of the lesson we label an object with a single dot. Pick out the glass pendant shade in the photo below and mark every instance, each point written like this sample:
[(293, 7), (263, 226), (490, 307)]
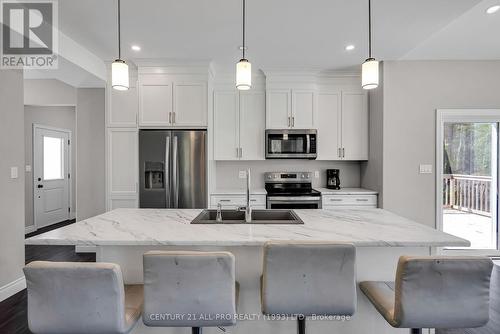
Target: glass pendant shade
[(369, 74), (119, 75), (243, 75)]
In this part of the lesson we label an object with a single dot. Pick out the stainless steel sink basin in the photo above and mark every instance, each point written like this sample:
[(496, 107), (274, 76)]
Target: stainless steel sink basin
[(258, 217)]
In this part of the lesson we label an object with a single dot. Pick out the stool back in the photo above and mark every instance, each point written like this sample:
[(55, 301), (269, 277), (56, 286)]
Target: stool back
[(442, 292), (189, 289), (309, 278), (75, 297)]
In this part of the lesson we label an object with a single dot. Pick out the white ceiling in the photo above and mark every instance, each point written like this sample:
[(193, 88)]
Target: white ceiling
[(285, 33)]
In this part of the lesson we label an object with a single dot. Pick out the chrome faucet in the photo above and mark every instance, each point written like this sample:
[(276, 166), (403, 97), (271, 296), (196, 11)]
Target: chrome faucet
[(247, 208), (218, 219)]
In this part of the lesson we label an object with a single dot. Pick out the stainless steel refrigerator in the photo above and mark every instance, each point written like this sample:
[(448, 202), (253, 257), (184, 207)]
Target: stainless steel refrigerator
[(172, 169)]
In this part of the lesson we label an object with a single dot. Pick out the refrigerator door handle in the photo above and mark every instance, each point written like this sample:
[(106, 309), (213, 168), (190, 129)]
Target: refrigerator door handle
[(175, 173), (167, 173)]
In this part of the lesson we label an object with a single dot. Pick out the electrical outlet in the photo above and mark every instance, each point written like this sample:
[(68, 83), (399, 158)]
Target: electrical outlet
[(28, 168), (14, 173), (316, 174), (242, 174), (425, 169)]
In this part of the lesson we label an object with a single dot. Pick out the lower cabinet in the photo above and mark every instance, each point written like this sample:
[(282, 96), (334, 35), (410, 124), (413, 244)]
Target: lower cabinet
[(235, 201), (122, 168), (349, 201)]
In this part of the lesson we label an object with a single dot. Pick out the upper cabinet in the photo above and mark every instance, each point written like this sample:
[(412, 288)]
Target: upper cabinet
[(122, 107), (165, 101), (239, 125), (342, 125), (290, 108)]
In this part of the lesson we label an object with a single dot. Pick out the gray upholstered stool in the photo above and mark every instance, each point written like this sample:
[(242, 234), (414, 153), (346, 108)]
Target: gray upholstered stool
[(189, 289), (308, 279), (68, 297), (434, 292)]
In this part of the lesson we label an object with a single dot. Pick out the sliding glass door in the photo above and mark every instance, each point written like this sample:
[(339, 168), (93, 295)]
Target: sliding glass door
[(468, 178)]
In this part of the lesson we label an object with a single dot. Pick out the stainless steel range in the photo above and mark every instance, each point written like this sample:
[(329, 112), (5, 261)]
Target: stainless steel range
[(291, 190)]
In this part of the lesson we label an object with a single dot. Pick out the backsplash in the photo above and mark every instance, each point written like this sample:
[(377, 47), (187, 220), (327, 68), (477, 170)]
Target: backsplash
[(227, 171)]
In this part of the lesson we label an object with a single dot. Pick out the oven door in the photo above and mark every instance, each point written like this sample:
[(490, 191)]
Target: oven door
[(291, 144), (291, 202)]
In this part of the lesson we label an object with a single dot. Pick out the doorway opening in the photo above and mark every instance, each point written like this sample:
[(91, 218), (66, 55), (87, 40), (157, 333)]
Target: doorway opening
[(467, 178)]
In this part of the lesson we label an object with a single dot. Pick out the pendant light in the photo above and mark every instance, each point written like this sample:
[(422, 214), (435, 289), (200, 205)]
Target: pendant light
[(243, 68), (119, 68), (369, 69)]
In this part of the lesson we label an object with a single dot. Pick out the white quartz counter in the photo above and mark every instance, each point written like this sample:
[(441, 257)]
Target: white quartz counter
[(363, 227), (237, 191), (346, 191)]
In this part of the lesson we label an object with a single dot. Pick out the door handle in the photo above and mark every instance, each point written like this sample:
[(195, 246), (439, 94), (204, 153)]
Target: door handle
[(40, 186), (173, 117), (343, 152), (288, 121), (167, 173), (170, 117), (293, 121), (175, 174)]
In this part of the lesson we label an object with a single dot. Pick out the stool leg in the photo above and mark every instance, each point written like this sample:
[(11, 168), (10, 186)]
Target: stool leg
[(196, 330), (416, 331), (301, 325)]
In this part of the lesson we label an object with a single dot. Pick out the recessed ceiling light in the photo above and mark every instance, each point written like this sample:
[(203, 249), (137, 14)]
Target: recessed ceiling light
[(350, 47), (493, 9), (136, 47)]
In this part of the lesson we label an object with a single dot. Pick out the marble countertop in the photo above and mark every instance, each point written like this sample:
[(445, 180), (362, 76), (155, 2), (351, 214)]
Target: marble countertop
[(237, 191), (346, 191), (363, 227)]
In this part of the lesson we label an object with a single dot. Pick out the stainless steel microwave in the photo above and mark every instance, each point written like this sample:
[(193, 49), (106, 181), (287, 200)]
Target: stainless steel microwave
[(291, 144)]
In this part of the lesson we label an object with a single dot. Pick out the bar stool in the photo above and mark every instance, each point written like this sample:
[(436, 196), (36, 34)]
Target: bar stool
[(434, 292), (307, 279), (189, 289), (80, 298)]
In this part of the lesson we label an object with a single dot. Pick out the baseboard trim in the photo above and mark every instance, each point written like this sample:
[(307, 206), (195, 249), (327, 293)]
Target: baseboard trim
[(29, 229), (85, 249), (12, 288)]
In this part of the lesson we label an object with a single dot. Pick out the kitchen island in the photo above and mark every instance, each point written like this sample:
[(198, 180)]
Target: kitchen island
[(123, 235)]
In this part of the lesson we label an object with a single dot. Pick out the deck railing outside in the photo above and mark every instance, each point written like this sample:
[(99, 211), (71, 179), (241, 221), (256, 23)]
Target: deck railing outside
[(467, 193)]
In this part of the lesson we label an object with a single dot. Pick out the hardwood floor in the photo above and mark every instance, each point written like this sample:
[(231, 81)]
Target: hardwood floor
[(13, 311)]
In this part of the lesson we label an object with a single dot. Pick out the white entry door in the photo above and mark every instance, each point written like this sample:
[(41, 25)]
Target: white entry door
[(51, 175)]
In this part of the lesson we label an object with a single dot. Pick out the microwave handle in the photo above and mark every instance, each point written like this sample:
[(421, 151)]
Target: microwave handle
[(308, 144)]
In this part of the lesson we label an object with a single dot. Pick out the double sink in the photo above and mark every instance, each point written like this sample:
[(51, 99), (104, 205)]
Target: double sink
[(275, 216)]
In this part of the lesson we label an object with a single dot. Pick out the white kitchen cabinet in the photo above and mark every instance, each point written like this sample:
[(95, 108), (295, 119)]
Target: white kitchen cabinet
[(122, 167), (349, 201), (278, 109), (122, 107), (166, 102), (252, 125), (342, 125), (239, 125), (155, 104), (329, 125), (226, 125), (290, 108), (190, 104), (354, 126), (303, 105), (235, 201)]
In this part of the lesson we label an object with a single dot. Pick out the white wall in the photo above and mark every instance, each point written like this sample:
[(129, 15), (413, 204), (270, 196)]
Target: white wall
[(227, 172), (48, 92), (412, 91), (11, 190), (58, 117), (90, 164)]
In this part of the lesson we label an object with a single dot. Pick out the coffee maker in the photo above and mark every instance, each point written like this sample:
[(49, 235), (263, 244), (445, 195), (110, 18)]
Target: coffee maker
[(332, 179)]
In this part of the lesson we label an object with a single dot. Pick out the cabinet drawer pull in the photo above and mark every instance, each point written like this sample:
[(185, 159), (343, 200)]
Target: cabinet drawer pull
[(336, 199), (362, 199), (253, 200), (224, 200)]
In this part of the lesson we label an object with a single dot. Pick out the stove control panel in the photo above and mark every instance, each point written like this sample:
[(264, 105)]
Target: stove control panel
[(287, 177)]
